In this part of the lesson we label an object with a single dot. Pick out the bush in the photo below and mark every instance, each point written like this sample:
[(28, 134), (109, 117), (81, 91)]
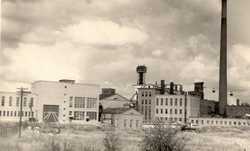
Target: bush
[(160, 138), (111, 141)]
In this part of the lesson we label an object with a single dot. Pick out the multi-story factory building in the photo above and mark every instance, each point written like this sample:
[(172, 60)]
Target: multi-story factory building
[(169, 104), (66, 101), (10, 106)]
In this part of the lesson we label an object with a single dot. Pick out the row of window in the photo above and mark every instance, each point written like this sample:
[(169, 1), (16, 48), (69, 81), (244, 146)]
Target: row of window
[(212, 122), (80, 115), (161, 101), (170, 111), (17, 103), (146, 110), (145, 101), (16, 113), (131, 122), (82, 102), (171, 119), (146, 94)]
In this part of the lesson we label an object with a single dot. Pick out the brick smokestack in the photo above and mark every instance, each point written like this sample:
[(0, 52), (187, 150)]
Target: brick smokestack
[(223, 60)]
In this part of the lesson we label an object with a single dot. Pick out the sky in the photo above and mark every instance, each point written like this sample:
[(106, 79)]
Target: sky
[(102, 42)]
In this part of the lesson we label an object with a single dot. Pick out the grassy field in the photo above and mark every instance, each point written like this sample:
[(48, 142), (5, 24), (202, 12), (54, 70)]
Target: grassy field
[(91, 139)]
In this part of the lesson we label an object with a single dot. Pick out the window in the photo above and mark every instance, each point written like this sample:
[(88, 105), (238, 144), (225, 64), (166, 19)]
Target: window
[(7, 113), (166, 118), (175, 102), (142, 108), (166, 111), (149, 101), (79, 102), (71, 101), (156, 111), (170, 111), (180, 101), (171, 102), (161, 111), (175, 111), (0, 113), (17, 101), (180, 111), (10, 101), (166, 101), (26, 114), (146, 94), (31, 102), (125, 123), (142, 101), (202, 122), (91, 115), (149, 93), (15, 113), (3, 113), (24, 101), (11, 113), (137, 123), (146, 102), (70, 113), (157, 101), (3, 100), (78, 115), (180, 119), (197, 122), (161, 101), (131, 123), (91, 102), (142, 94)]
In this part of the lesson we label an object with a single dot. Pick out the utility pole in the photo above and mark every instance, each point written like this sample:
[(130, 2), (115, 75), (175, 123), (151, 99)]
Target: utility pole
[(22, 92)]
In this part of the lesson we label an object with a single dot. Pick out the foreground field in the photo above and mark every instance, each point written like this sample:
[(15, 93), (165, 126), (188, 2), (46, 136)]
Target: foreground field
[(91, 139)]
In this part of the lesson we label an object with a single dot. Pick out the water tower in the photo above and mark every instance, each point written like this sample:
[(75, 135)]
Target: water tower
[(141, 70)]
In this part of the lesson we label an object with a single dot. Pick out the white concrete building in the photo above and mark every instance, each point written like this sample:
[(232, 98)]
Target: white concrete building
[(66, 101), (10, 106)]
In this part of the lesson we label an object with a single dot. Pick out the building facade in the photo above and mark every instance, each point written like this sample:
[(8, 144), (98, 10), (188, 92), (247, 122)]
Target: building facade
[(123, 118), (169, 104), (66, 101), (10, 106)]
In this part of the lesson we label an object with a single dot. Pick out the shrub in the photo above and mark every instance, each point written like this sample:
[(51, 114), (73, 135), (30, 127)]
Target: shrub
[(111, 141), (160, 138)]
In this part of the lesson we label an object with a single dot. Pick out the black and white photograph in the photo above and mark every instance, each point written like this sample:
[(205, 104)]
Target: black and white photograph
[(125, 75)]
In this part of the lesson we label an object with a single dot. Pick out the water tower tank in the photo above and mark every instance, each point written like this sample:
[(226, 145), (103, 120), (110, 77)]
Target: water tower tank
[(141, 70)]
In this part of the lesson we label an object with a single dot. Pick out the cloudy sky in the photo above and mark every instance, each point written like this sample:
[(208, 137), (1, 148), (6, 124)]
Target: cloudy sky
[(97, 41)]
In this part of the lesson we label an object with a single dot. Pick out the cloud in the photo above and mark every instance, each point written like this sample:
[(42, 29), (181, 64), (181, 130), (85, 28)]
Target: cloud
[(101, 32), (103, 41)]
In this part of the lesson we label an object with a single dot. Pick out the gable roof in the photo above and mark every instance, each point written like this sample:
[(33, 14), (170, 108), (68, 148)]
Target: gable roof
[(110, 97), (115, 110)]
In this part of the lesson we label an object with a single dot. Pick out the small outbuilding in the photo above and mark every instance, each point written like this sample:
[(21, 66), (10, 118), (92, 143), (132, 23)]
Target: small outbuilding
[(123, 118)]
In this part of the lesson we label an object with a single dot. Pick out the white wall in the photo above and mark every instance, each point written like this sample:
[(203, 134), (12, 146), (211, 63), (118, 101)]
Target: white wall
[(14, 108), (58, 93)]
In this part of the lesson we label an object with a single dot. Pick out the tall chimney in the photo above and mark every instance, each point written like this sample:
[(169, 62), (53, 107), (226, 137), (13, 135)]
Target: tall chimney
[(223, 60)]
